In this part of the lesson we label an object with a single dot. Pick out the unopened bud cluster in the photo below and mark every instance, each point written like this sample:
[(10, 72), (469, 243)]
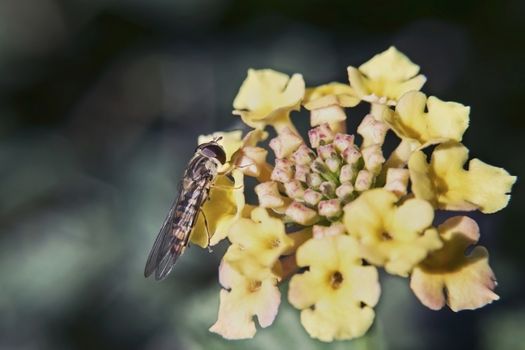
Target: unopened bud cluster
[(311, 185)]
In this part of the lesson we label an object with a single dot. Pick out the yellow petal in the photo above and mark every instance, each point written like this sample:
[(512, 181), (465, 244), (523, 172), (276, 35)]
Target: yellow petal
[(267, 97), (444, 121), (337, 293), (330, 94), (340, 321), (357, 81), (468, 279), (451, 187), (385, 77), (395, 91), (396, 237), (245, 299), (390, 65)]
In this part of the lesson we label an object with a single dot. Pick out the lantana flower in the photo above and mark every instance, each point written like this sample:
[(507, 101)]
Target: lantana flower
[(395, 236), (467, 278), (337, 293), (334, 208), (445, 183), (243, 298), (267, 97), (257, 243)]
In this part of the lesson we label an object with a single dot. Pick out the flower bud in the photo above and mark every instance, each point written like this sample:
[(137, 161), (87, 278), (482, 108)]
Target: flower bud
[(320, 135), (303, 155), (314, 180), (268, 195), (347, 173), (343, 141), (328, 114), (373, 158), (251, 159), (301, 214), (294, 189), (330, 208), (312, 197), (345, 191), (301, 171), (397, 181), (351, 155), (327, 188), (283, 171), (372, 130), (286, 143), (318, 166), (326, 151), (363, 181), (333, 164)]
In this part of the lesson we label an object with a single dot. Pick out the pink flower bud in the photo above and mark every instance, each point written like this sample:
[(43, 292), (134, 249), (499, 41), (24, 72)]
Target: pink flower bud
[(372, 130), (268, 194), (343, 141), (286, 143), (251, 160), (330, 208), (303, 155), (345, 191), (351, 155), (283, 171), (294, 189), (301, 214), (363, 181), (333, 164), (327, 188), (397, 181), (301, 171), (373, 158), (314, 180), (327, 151), (347, 173), (318, 166), (312, 197), (320, 135)]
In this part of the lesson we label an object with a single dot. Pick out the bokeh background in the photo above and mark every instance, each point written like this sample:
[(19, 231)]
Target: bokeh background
[(101, 102)]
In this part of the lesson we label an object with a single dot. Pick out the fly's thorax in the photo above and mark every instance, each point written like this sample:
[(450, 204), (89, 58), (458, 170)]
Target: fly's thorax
[(201, 168)]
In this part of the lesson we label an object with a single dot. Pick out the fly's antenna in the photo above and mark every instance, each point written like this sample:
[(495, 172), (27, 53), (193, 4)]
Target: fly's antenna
[(217, 139)]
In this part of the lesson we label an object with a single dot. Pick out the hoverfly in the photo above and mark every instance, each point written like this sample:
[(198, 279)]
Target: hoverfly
[(194, 188)]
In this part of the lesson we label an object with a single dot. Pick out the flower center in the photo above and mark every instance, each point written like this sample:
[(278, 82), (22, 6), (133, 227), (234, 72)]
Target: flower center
[(253, 286), (336, 279), (275, 243), (385, 236)]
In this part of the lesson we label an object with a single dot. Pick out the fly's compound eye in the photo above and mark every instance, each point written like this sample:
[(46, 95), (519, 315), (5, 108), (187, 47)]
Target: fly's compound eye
[(213, 150)]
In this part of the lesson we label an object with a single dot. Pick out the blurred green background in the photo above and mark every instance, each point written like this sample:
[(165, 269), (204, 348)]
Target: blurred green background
[(100, 106)]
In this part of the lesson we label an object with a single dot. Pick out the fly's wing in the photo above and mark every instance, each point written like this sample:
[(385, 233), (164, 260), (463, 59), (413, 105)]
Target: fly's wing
[(176, 229), (162, 243)]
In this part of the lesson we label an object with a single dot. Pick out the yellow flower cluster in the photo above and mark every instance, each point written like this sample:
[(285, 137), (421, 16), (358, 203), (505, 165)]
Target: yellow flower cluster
[(332, 211)]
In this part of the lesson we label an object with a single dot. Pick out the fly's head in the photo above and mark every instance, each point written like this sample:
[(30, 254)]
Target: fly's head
[(213, 151)]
